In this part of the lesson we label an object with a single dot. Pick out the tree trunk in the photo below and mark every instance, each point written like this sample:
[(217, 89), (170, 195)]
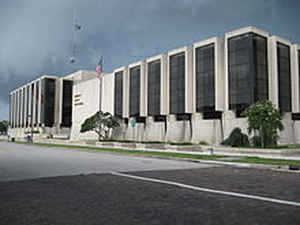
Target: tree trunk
[(262, 137), (99, 134)]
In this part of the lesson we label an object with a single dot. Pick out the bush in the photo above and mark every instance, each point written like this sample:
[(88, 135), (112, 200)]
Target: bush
[(264, 121), (203, 143), (269, 141), (237, 139)]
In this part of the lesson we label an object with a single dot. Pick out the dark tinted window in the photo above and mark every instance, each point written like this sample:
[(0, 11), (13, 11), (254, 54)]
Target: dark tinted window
[(48, 100), (247, 71), (260, 68), (284, 77), (67, 103), (205, 79), (134, 93), (118, 94), (177, 83), (154, 74)]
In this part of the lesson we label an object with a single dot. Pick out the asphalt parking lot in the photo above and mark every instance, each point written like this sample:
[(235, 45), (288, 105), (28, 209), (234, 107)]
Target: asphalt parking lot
[(165, 196)]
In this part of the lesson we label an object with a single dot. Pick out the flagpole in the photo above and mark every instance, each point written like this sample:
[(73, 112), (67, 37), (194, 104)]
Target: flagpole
[(100, 92), (99, 70)]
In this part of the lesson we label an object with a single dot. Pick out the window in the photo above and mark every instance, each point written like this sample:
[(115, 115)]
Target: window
[(205, 78), (67, 103), (247, 71), (154, 74), (118, 94), (284, 77), (261, 88), (48, 101), (134, 92), (177, 83)]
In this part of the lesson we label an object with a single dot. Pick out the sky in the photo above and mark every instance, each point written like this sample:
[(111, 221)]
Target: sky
[(36, 37)]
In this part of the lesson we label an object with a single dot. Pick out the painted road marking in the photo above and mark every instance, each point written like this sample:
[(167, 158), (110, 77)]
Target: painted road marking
[(235, 194)]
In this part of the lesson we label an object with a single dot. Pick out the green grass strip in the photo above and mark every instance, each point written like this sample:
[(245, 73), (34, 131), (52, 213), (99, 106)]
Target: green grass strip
[(135, 152), (257, 160)]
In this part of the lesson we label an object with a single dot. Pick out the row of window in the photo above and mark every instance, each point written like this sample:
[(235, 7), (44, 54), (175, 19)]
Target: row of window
[(247, 76), (17, 107), (205, 84), (47, 104)]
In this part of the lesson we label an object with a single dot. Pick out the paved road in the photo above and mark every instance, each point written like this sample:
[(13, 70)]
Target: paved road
[(172, 192), (18, 162)]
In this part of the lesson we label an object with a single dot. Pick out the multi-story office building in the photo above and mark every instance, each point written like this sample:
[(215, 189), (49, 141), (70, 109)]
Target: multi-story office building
[(194, 93)]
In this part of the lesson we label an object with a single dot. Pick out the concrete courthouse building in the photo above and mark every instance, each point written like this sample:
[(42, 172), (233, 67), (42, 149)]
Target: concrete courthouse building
[(194, 93)]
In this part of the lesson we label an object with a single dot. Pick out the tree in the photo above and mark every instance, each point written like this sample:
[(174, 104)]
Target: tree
[(264, 121), (101, 123), (3, 127)]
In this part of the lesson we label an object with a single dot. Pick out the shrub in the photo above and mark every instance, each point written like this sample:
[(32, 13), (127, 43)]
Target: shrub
[(236, 139), (264, 121), (203, 143), (269, 141)]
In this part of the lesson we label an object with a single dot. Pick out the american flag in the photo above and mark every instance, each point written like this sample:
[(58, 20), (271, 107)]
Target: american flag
[(99, 67)]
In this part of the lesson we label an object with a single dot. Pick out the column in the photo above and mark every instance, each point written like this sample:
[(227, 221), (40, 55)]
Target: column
[(126, 84), (33, 116), (295, 78), (29, 106), (18, 107), (14, 109), (11, 110), (39, 102), (26, 106), (58, 102), (219, 76), (22, 106)]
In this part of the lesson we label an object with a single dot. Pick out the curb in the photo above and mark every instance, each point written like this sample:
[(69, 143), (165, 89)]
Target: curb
[(282, 168)]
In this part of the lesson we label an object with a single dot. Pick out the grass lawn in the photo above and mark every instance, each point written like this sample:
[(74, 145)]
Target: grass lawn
[(278, 162), (294, 146)]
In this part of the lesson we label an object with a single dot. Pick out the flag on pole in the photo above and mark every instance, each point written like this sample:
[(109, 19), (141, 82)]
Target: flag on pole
[(99, 67)]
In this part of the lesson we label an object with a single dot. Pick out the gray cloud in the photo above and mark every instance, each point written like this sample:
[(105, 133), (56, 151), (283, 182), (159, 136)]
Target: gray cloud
[(36, 36)]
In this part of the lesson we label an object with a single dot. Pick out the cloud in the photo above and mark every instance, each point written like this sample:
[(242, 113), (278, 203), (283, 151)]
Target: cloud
[(36, 36)]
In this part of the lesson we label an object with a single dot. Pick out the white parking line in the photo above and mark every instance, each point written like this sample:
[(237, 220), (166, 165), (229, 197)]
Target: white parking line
[(274, 200)]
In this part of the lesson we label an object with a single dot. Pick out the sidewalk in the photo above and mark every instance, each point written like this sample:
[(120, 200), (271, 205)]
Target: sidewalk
[(286, 154)]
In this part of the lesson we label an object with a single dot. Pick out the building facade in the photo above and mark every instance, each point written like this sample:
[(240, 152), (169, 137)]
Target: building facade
[(190, 94)]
